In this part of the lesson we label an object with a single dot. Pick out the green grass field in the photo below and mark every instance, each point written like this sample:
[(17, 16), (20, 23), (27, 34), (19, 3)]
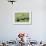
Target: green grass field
[(22, 17)]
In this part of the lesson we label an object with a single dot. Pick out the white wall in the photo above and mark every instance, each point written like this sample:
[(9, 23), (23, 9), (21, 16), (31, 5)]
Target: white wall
[(9, 31)]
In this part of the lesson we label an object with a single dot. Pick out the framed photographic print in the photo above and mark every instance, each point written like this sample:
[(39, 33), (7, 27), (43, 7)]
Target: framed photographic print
[(22, 17)]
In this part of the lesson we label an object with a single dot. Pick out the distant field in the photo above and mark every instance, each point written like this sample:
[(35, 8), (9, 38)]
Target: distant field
[(22, 17)]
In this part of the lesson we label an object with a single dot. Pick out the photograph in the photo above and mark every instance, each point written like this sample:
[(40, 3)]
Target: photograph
[(22, 18)]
